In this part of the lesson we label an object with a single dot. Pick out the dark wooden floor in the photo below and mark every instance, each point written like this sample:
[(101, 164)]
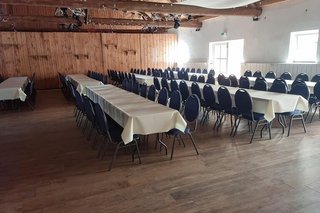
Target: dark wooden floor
[(47, 165)]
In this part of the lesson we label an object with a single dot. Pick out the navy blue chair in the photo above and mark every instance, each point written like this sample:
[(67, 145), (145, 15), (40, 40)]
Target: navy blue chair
[(90, 117), (198, 70), (243, 103), (271, 74), (124, 84), (210, 80), (164, 84), (302, 90), (244, 82), (191, 114), (172, 75), (148, 72), (286, 76), (279, 86), (185, 76), (174, 85), (163, 97), (248, 73), (220, 78), (195, 89), (193, 70), (204, 71), (260, 84), (257, 74), (233, 80), (80, 108), (156, 83), (225, 82), (152, 93), (184, 90), (225, 106), (193, 78), (314, 101), (201, 79), (112, 136), (143, 90), (188, 70), (303, 76), (297, 81), (210, 99), (175, 100), (315, 78), (135, 87), (212, 72)]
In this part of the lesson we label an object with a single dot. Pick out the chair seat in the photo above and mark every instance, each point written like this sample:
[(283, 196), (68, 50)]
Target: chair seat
[(256, 116), (314, 100), (115, 134), (296, 112), (175, 131)]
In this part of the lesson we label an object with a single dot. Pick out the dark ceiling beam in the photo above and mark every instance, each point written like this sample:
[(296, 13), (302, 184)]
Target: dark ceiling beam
[(140, 6), (97, 21)]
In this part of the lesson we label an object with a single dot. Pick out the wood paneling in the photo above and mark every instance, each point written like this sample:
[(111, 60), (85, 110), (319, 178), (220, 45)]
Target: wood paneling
[(46, 54)]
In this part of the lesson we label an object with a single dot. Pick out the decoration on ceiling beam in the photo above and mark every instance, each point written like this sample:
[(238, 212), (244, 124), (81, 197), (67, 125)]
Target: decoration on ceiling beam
[(78, 14)]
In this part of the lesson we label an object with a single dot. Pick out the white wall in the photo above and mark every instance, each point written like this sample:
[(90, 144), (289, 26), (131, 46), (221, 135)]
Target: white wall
[(266, 40)]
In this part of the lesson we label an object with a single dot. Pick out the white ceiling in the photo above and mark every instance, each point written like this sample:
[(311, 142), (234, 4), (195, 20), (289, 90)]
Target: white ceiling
[(218, 4)]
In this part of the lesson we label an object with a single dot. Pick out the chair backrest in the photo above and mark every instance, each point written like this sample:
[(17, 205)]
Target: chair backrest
[(143, 90), (316, 90), (244, 82), (156, 83), (225, 82), (79, 101), (233, 80), (164, 83), (193, 78), (248, 73), (300, 89), (303, 76), (297, 81), (174, 85), (188, 70), (271, 74), (100, 119), (175, 100), (278, 85), (208, 95), (257, 73), (260, 85), (192, 108), (243, 102), (152, 93), (88, 108), (220, 77), (185, 76), (224, 98), (205, 71), (136, 87), (195, 89), (183, 87), (212, 72), (201, 79), (286, 76), (316, 78), (210, 80), (198, 70), (163, 97), (193, 70), (171, 74)]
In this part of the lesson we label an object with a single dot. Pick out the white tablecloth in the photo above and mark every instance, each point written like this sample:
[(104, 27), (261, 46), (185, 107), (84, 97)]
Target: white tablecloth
[(267, 103), (190, 74), (81, 81), (13, 88), (144, 79), (289, 83), (134, 113)]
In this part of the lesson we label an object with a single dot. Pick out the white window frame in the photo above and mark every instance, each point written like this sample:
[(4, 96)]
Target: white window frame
[(213, 58)]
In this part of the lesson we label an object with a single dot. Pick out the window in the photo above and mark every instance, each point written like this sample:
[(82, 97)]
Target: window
[(303, 46), (226, 57)]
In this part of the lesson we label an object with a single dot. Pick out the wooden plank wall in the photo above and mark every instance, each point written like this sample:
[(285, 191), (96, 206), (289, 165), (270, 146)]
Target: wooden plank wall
[(46, 54)]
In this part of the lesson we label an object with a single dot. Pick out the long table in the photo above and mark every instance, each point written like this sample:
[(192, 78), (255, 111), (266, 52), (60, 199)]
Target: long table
[(137, 115), (144, 79), (13, 88), (289, 83), (267, 103), (81, 81)]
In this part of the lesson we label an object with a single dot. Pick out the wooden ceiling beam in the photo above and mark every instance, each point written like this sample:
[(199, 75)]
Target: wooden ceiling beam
[(139, 6), (97, 21)]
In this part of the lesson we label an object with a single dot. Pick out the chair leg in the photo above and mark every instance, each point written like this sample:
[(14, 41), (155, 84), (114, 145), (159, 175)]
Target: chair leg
[(290, 124), (315, 110), (138, 151), (193, 142), (114, 156), (254, 131), (172, 150), (303, 124), (184, 145), (280, 122), (236, 127), (269, 127)]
